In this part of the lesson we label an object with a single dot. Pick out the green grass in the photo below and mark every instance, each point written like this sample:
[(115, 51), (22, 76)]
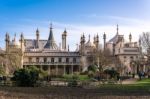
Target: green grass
[(80, 77), (145, 81), (140, 85)]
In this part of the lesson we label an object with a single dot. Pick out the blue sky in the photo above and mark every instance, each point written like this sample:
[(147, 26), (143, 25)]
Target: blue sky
[(77, 16)]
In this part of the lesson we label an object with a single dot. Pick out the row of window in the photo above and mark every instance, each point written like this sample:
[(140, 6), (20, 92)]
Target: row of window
[(52, 60), (131, 57)]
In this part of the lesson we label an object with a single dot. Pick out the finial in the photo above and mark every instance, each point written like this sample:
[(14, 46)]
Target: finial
[(83, 35), (21, 34), (89, 37), (15, 37), (104, 36), (37, 30), (117, 29), (97, 35), (65, 31), (51, 26), (130, 37), (68, 48), (140, 41)]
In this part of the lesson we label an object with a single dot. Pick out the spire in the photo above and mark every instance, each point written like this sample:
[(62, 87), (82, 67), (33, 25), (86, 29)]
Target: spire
[(68, 48), (97, 38), (51, 38), (130, 37), (117, 29), (22, 37), (51, 42), (37, 32), (15, 37), (89, 37), (104, 37), (140, 41), (94, 39), (65, 32), (6, 37)]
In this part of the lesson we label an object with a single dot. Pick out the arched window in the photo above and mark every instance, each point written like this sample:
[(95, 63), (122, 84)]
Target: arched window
[(45, 59), (59, 60), (67, 60), (37, 59), (52, 60), (30, 59), (74, 60)]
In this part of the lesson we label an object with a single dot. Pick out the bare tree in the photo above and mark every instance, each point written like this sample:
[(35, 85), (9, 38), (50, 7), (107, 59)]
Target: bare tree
[(104, 58), (145, 42), (9, 62)]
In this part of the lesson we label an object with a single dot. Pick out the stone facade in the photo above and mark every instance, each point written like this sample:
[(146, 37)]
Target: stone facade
[(58, 60)]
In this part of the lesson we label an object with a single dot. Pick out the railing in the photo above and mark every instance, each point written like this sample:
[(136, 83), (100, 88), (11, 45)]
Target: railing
[(50, 63)]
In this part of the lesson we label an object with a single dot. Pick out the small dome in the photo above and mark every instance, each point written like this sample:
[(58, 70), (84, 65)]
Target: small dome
[(14, 43), (89, 43)]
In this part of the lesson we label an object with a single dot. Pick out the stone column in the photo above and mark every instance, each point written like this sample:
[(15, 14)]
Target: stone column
[(41, 67), (64, 69), (49, 70), (72, 69), (56, 69)]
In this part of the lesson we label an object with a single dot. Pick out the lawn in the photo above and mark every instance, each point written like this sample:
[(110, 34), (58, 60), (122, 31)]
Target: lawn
[(145, 81), (79, 77)]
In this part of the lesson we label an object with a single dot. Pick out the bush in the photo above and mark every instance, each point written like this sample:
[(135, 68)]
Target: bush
[(113, 73), (73, 81), (26, 77), (92, 68)]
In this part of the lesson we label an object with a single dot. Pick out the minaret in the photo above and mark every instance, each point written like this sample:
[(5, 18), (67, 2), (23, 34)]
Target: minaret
[(94, 40), (130, 37), (97, 41), (82, 42), (64, 40), (104, 37), (117, 29), (22, 42), (7, 40), (22, 48), (68, 48), (37, 38)]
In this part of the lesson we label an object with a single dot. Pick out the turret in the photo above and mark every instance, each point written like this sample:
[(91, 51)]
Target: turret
[(82, 43), (37, 38), (7, 41), (104, 37), (37, 34), (64, 40), (94, 40), (22, 42), (97, 41), (117, 29), (130, 37)]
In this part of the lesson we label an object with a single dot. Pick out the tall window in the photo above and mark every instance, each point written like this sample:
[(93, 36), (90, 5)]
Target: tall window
[(67, 60), (45, 59), (30, 59), (52, 60), (37, 59), (74, 60), (59, 60), (131, 58)]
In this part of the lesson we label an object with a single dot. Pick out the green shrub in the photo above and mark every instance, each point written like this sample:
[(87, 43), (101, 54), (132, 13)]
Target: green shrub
[(73, 82), (26, 77)]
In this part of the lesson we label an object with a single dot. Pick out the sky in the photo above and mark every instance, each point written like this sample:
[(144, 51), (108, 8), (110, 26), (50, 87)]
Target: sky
[(77, 16)]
